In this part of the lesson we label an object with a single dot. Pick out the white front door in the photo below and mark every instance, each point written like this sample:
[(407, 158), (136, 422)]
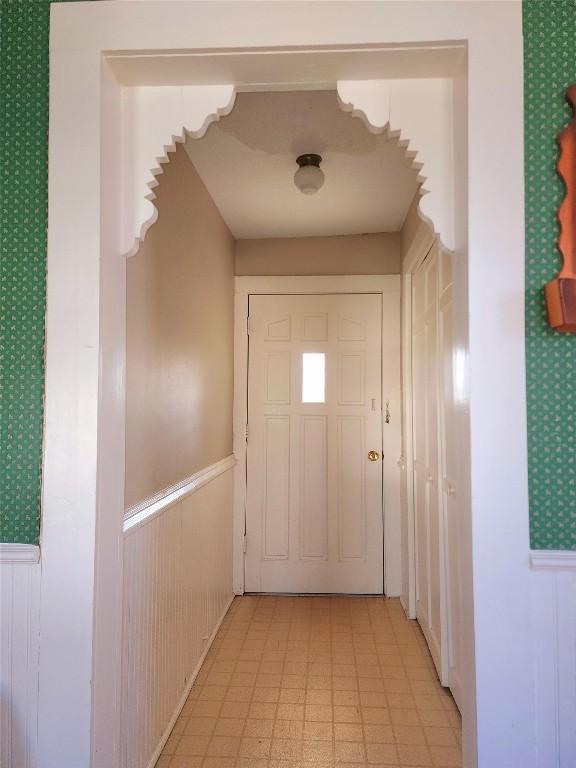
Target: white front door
[(314, 497)]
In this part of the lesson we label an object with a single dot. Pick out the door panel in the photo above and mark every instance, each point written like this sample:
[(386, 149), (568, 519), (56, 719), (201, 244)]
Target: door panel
[(314, 500), (434, 630), (276, 486), (419, 445), (451, 519), (314, 487), (426, 442), (351, 481)]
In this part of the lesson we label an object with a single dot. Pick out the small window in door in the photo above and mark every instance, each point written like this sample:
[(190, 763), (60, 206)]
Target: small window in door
[(313, 377)]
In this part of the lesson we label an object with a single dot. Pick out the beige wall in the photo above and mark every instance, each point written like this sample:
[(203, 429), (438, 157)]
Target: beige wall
[(179, 385), (410, 226), (373, 254), (413, 225)]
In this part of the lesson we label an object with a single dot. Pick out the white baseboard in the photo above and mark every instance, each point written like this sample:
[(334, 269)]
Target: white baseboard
[(186, 693)]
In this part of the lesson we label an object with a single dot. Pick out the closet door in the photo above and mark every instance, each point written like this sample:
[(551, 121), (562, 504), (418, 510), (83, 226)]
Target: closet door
[(419, 445), (430, 608), (449, 499), (434, 629)]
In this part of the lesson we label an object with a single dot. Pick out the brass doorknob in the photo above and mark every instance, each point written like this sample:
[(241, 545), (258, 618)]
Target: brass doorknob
[(373, 455)]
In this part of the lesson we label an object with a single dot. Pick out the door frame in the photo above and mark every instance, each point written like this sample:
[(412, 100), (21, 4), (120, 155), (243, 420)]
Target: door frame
[(388, 287), (82, 495)]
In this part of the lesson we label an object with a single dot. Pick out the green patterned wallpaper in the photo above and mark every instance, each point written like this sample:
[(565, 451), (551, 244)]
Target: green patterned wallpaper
[(23, 156), (550, 58), (550, 66), (24, 26)]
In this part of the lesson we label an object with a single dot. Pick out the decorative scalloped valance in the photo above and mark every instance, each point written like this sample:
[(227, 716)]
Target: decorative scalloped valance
[(155, 119), (419, 113)]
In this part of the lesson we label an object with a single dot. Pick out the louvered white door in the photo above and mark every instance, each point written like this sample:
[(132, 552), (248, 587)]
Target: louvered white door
[(428, 336), (314, 498), (420, 464), (451, 522)]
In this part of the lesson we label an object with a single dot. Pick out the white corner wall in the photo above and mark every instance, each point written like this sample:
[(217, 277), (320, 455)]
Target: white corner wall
[(177, 588), (553, 598), (19, 646)]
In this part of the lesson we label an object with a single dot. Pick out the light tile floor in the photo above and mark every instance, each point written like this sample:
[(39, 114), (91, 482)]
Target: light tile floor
[(302, 682)]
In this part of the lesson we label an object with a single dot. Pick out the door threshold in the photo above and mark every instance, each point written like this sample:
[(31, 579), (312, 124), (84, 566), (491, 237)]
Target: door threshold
[(314, 594)]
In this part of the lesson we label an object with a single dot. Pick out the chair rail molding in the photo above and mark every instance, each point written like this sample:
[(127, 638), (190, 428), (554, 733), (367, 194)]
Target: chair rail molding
[(12, 554), (553, 560), (154, 120), (395, 107), (141, 513)]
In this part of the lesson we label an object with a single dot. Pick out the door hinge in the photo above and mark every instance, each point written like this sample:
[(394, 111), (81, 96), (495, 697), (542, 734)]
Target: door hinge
[(244, 544), (248, 325), (246, 433)]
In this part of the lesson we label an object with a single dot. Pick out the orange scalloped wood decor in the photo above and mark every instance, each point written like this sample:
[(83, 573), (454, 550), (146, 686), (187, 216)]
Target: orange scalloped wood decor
[(561, 292)]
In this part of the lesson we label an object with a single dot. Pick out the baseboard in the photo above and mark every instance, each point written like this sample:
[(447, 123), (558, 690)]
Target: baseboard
[(168, 730)]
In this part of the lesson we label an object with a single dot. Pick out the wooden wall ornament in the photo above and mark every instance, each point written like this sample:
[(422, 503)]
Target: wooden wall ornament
[(561, 292)]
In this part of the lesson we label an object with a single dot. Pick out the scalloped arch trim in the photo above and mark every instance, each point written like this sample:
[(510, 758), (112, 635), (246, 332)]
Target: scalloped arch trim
[(418, 114), (150, 116), (395, 107)]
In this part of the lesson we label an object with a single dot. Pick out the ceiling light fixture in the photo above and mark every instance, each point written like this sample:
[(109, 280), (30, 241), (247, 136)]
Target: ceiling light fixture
[(309, 176)]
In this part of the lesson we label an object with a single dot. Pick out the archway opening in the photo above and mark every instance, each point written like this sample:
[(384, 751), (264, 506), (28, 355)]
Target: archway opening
[(236, 181)]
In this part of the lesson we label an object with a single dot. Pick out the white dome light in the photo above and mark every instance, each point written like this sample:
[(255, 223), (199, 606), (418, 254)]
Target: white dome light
[(309, 176)]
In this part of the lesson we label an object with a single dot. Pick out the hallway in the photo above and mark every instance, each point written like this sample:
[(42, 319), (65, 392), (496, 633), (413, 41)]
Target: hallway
[(323, 681)]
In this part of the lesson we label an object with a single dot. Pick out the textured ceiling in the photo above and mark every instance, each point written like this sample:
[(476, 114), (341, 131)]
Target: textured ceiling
[(247, 161)]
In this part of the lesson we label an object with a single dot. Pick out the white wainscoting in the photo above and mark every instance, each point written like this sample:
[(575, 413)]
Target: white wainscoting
[(19, 644), (177, 588), (554, 637)]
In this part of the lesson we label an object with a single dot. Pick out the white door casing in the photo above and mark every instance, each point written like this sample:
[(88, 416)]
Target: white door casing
[(388, 287), (314, 499), (141, 44)]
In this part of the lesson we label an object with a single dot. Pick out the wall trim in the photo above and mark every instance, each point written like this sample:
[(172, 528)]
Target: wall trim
[(420, 247), (553, 560), (161, 118), (303, 284), (13, 554), (146, 510), (388, 106), (168, 730)]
